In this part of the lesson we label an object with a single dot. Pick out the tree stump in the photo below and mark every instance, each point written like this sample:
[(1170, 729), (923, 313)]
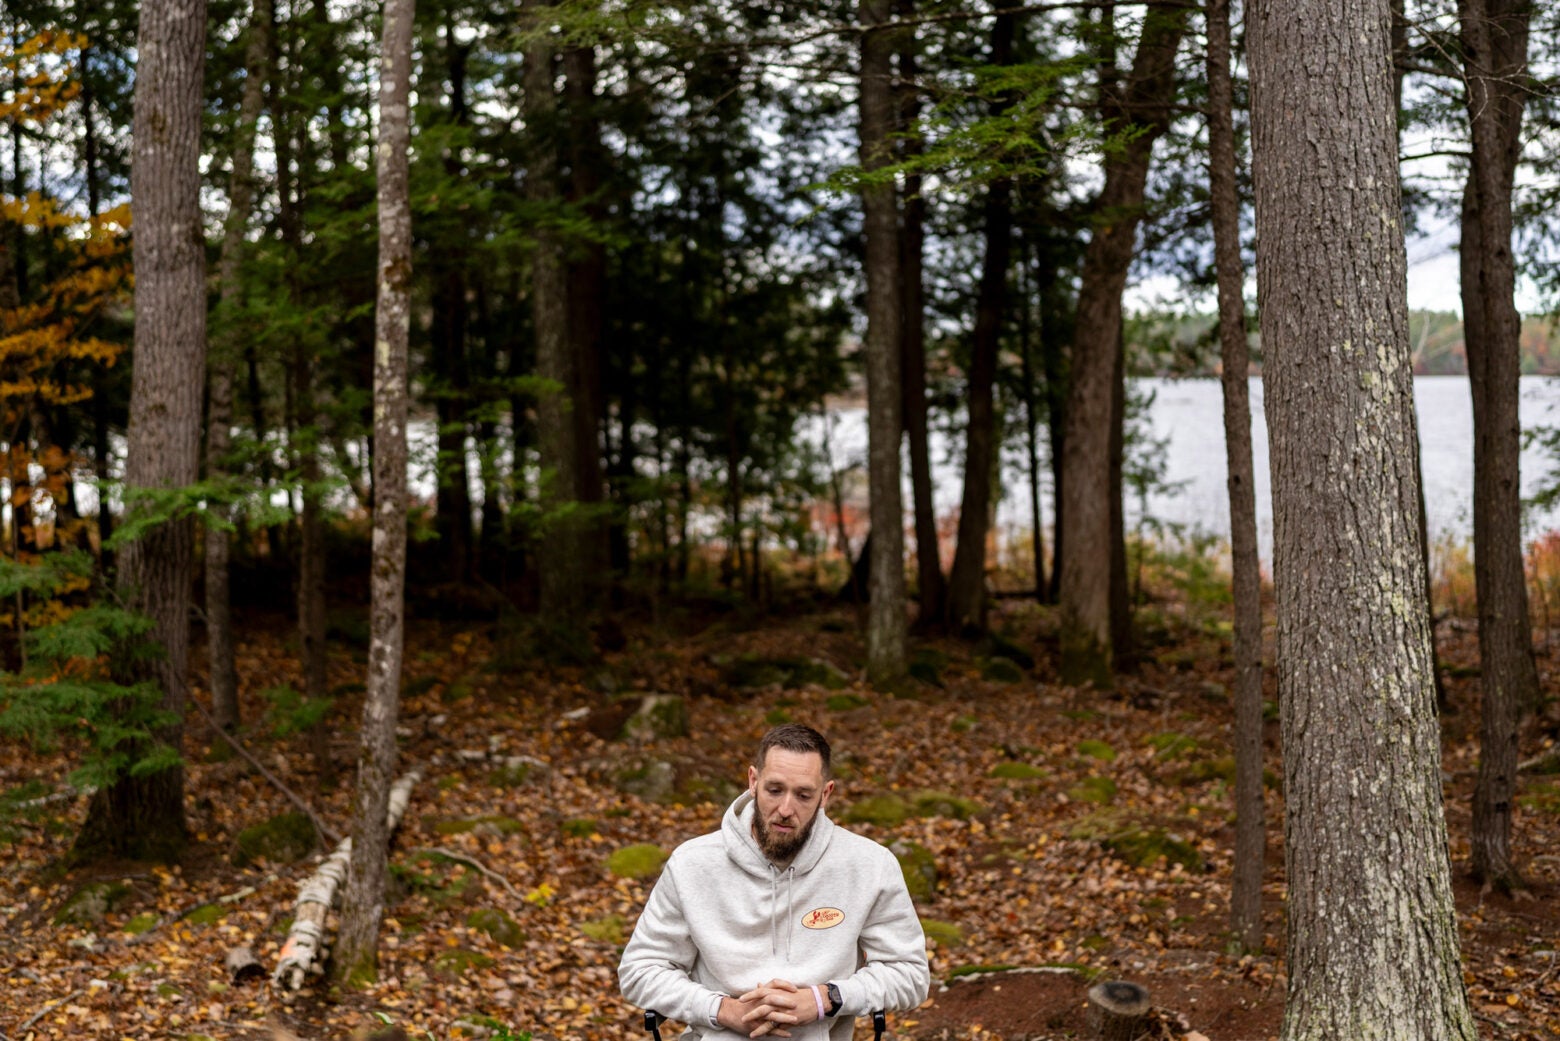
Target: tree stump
[(1118, 1010)]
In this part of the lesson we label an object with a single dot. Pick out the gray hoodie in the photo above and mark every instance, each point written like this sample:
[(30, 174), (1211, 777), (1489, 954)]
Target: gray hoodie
[(722, 919)]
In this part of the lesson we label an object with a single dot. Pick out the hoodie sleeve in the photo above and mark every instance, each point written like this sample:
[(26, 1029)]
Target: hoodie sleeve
[(656, 971), (894, 975)]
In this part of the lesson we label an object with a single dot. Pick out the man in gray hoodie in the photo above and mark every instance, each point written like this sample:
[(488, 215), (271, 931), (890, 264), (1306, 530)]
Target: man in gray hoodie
[(780, 923)]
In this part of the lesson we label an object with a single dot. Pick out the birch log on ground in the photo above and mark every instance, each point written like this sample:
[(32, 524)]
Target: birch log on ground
[(304, 949)]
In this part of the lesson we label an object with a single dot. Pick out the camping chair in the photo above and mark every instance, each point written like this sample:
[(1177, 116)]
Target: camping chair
[(654, 1019)]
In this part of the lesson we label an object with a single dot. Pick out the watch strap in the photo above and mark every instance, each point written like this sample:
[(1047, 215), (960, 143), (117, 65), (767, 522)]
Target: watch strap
[(834, 999)]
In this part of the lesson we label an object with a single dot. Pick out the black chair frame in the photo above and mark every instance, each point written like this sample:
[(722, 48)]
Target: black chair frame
[(654, 1019)]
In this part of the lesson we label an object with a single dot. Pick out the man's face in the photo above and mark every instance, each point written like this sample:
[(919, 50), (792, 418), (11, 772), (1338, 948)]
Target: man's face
[(789, 791)]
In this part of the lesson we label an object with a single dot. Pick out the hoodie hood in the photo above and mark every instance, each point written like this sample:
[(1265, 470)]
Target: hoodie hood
[(736, 834)]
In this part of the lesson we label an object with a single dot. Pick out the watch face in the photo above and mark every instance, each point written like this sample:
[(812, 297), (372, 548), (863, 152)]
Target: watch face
[(834, 998)]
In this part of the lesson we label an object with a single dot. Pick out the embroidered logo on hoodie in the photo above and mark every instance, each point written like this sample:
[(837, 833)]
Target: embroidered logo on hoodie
[(823, 918)]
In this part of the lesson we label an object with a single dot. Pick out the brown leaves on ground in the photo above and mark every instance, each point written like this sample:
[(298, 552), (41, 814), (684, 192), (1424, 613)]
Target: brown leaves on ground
[(503, 915)]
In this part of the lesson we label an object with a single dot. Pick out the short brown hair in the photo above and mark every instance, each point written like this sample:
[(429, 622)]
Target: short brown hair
[(795, 737)]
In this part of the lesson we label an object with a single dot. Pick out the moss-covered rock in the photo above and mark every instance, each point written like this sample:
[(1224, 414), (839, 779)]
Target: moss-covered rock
[(206, 914), (947, 934), (653, 781), (1143, 847), (518, 772), (144, 922), (943, 804), (1013, 771), (284, 839), (501, 928), (580, 827), (611, 929), (455, 962), (1001, 670), (919, 868), (1172, 745), (89, 904), (640, 861), (489, 825), (1100, 790), (885, 810), (658, 717), (1094, 749), (845, 702)]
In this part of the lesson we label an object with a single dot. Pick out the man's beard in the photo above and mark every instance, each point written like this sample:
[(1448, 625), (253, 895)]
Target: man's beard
[(780, 848)]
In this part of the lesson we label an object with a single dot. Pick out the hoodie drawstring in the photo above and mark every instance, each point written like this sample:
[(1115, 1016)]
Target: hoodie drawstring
[(774, 907)]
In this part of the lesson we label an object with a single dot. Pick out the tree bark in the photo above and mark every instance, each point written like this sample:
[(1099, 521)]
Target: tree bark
[(1031, 425), (1495, 44), (1372, 942), (224, 361), (143, 816), (931, 588), (311, 555), (562, 558), (362, 910), (967, 582), (1083, 540), (1235, 358), (886, 626), (587, 295)]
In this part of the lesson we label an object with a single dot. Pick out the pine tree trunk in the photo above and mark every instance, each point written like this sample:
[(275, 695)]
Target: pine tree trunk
[(1234, 355), (1031, 425), (967, 582), (362, 911), (1495, 43), (930, 586), (311, 556), (224, 361), (1083, 540), (886, 625), (587, 298), (1372, 942), (143, 816), (561, 559)]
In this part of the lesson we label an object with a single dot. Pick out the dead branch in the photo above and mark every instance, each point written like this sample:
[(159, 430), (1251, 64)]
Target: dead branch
[(72, 996), (326, 832), (461, 858)]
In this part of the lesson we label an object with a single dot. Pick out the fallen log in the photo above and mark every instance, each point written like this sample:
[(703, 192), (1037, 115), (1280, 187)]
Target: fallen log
[(243, 965), (303, 952)]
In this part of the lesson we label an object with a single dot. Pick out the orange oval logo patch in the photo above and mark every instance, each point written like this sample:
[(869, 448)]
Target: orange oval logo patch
[(823, 918)]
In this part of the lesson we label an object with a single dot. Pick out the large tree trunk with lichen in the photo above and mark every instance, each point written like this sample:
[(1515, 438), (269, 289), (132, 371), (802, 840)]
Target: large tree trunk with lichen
[(1142, 105), (887, 631), (1372, 943), (143, 816), (1235, 357), (1495, 43), (362, 910)]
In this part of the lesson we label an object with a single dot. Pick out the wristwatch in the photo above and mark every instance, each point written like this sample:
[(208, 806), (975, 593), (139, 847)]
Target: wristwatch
[(834, 999)]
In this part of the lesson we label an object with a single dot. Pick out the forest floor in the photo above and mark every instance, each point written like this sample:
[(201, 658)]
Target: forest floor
[(504, 916)]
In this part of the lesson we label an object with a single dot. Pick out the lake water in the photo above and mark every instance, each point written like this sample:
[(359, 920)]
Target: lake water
[(1188, 415)]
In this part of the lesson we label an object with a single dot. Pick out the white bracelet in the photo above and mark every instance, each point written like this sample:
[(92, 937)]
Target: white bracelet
[(818, 1000)]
